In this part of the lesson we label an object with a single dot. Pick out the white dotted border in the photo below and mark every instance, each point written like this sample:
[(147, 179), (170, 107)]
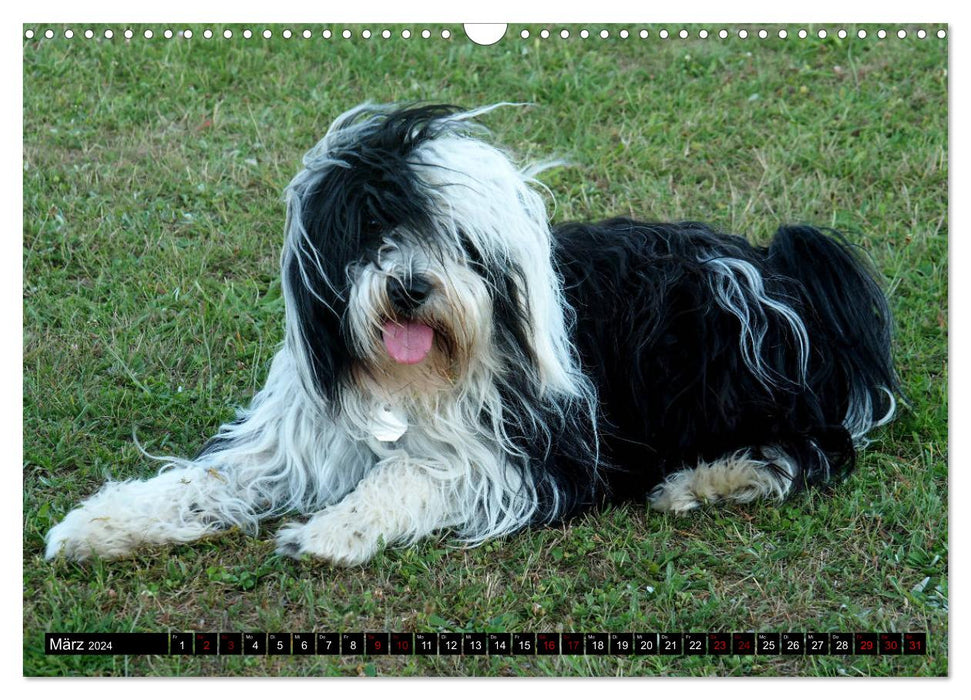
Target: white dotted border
[(129, 34)]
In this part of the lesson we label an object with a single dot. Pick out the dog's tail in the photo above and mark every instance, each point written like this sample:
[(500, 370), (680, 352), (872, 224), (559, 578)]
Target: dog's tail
[(851, 310)]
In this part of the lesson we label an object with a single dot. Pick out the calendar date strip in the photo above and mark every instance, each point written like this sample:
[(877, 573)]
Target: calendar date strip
[(487, 643)]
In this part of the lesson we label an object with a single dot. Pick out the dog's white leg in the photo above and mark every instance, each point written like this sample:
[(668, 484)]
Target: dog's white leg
[(399, 501), (739, 477), (282, 454), (178, 505)]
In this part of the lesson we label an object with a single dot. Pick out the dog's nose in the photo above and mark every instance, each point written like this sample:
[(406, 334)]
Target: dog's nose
[(408, 294)]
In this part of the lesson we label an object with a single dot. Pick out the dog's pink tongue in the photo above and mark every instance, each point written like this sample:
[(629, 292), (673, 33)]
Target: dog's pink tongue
[(408, 342)]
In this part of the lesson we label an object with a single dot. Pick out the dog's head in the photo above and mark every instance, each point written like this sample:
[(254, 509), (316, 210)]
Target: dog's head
[(418, 262)]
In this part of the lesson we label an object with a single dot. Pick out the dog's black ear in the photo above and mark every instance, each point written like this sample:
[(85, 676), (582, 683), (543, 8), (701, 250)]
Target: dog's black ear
[(511, 317), (314, 310)]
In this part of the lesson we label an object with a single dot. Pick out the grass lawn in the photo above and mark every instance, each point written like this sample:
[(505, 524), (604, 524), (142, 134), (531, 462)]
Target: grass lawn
[(153, 218)]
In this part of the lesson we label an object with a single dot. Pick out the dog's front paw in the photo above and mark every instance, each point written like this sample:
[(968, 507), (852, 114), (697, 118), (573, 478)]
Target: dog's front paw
[(331, 536), (84, 533)]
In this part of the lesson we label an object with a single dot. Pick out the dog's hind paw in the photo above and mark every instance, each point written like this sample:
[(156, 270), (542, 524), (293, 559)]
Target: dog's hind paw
[(738, 478), (674, 496)]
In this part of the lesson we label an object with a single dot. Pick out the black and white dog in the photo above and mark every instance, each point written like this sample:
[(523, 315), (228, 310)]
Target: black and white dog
[(452, 363)]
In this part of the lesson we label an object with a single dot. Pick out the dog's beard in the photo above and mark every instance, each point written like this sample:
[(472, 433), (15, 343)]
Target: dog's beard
[(424, 354)]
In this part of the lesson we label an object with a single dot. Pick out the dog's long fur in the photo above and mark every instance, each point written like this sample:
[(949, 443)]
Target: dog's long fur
[(566, 367)]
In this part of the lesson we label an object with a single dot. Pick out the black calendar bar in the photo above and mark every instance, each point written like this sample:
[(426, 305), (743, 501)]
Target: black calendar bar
[(77, 643), (488, 644)]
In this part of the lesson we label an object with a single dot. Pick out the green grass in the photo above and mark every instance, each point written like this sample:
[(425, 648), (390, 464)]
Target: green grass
[(153, 172)]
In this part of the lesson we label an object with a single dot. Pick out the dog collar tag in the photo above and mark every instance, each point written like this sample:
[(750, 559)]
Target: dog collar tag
[(387, 424)]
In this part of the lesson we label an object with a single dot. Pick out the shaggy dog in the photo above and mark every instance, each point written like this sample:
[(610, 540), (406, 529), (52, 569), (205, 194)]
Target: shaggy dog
[(451, 362)]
